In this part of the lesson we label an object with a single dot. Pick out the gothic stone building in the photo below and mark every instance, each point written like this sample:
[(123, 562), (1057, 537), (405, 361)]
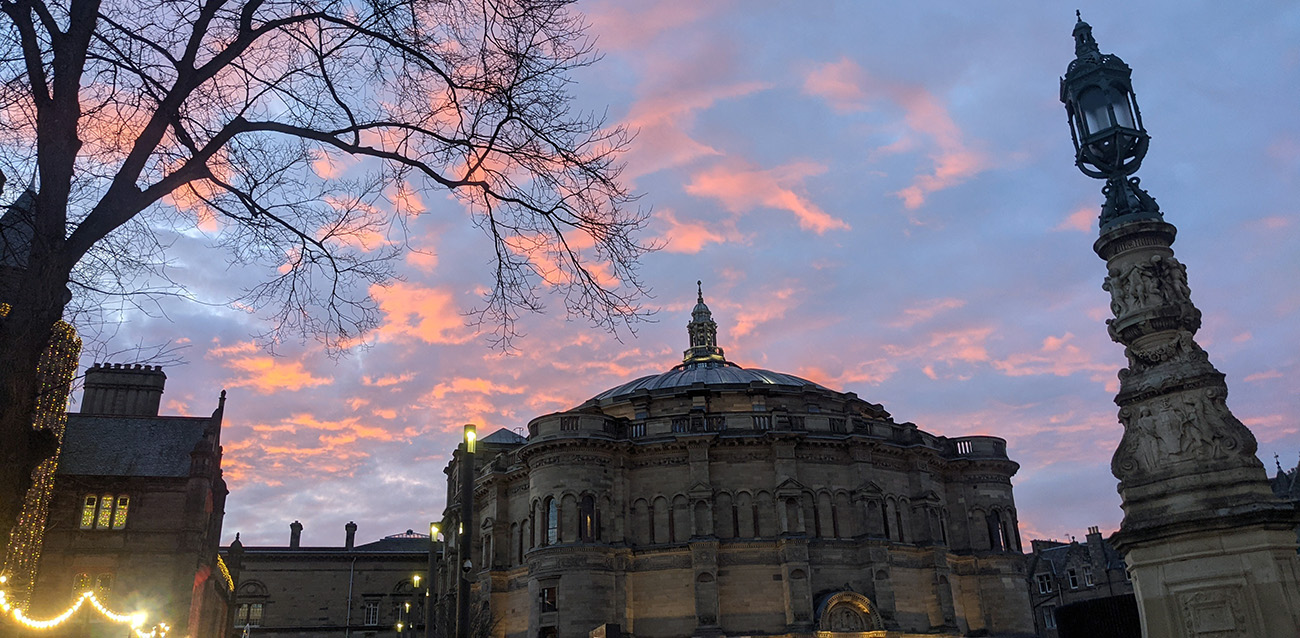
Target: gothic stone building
[(136, 510), (716, 500), (1089, 577)]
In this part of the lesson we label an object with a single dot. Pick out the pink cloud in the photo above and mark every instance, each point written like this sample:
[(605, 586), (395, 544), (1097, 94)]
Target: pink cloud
[(663, 120), (750, 316), (926, 310), (474, 385), (632, 25), (262, 372), (1058, 356), (846, 86), (839, 83), (742, 188), (690, 237), (267, 374), (1263, 376), (1080, 220), (412, 311), (388, 380)]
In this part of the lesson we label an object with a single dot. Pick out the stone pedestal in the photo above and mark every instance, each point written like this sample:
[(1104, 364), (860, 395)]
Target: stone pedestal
[(1210, 549), (1237, 580)]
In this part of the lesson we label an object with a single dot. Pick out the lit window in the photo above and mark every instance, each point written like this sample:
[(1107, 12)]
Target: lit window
[(88, 512), (249, 615), (1044, 583), (1087, 575), (119, 513), (103, 585), (547, 600), (105, 518), (372, 613), (1049, 617), (552, 522), (587, 531), (1073, 576), (104, 512)]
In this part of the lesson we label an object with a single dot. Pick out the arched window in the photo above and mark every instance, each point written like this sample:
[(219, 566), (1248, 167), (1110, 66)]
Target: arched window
[(884, 520), (80, 583), (105, 518), (103, 585), (898, 519), (88, 512), (995, 531), (587, 519), (551, 521), (119, 511)]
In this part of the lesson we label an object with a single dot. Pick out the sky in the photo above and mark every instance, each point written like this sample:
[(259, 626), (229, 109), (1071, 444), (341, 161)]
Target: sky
[(878, 196)]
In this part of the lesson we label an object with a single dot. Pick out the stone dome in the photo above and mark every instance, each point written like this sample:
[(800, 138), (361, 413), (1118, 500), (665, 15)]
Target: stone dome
[(722, 373), (705, 364)]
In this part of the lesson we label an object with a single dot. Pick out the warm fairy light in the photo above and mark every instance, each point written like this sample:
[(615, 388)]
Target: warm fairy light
[(135, 620), (415, 580), (225, 573), (57, 366)]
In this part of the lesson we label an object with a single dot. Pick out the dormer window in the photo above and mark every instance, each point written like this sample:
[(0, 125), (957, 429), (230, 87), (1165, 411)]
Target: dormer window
[(104, 512)]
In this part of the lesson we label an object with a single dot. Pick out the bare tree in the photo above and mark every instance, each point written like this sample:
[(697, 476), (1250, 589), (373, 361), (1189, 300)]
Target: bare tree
[(135, 115)]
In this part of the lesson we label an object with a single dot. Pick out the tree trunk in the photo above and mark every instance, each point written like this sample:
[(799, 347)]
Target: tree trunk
[(36, 298)]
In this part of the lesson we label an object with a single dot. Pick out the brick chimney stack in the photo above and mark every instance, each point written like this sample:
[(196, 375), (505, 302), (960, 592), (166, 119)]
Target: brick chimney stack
[(123, 389), (351, 529), (295, 534)]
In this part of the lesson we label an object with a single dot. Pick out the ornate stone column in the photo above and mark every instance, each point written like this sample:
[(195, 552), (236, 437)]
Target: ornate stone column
[(1211, 551)]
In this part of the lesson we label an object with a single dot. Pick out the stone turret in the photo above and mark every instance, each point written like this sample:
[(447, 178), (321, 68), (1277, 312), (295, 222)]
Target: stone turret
[(123, 389), (703, 332)]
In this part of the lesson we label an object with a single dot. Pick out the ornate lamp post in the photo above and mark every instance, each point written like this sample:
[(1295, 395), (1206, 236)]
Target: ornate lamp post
[(466, 535), (1210, 550)]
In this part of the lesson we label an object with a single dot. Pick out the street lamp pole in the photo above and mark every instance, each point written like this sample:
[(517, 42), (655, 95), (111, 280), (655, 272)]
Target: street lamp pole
[(466, 536), (430, 578)]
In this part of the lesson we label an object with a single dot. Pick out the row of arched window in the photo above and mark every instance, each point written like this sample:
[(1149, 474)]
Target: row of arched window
[(656, 520)]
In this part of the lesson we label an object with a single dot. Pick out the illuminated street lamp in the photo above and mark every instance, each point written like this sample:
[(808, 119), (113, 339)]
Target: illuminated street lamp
[(429, 601), (466, 535), (1106, 128)]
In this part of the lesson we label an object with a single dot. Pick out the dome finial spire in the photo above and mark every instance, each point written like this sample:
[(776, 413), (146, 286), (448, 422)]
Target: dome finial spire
[(703, 332)]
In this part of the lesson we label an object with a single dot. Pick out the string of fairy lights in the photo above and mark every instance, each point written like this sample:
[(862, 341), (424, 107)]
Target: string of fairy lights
[(55, 371), (136, 620)]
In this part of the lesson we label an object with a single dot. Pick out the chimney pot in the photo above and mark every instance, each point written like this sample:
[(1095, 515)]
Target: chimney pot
[(351, 529), (295, 534)]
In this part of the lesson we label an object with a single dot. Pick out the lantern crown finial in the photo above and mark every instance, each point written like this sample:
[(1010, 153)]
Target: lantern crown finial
[(1085, 46)]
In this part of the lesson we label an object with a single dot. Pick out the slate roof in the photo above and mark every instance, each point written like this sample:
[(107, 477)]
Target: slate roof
[(504, 436), (115, 445), (408, 543), (1059, 556)]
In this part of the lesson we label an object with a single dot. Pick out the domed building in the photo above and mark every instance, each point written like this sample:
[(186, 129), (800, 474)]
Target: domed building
[(716, 500)]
